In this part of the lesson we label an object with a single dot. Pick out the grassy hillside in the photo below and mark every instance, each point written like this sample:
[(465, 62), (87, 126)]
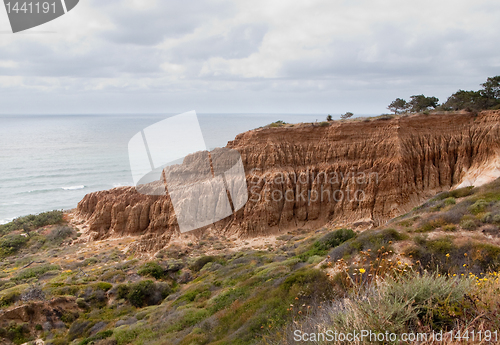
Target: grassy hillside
[(434, 268)]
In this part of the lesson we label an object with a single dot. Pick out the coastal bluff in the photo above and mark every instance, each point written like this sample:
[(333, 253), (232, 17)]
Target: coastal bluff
[(361, 172)]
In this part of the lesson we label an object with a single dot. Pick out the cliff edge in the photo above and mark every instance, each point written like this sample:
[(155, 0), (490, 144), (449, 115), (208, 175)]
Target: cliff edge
[(361, 172)]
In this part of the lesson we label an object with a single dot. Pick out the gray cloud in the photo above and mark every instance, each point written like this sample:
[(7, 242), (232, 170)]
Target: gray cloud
[(238, 42), (238, 56), (170, 19)]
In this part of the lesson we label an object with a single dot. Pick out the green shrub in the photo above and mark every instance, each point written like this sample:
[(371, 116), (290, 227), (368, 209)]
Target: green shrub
[(95, 296), (334, 239), (9, 298), (462, 192), (278, 123), (139, 292), (151, 269), (69, 317), (32, 222), (487, 256), (89, 262), (450, 201), (308, 283), (330, 240), (496, 219), (113, 276), (18, 334), (6, 284), (11, 244), (144, 292), (457, 193), (190, 318), (398, 305), (444, 255), (125, 336), (199, 293), (315, 259), (431, 224), (202, 261), (97, 336), (80, 302), (35, 272), (468, 224), (225, 299), (104, 286), (449, 227), (487, 218), (441, 196), (442, 246), (478, 207), (408, 222), (370, 239)]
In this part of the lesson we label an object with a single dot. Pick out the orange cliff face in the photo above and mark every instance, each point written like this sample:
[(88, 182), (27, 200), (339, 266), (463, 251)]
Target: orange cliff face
[(357, 172)]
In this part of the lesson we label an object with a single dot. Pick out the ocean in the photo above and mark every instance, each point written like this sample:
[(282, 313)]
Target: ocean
[(50, 162)]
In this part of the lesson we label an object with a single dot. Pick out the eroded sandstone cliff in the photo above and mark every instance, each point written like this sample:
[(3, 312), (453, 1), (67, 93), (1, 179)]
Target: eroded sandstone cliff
[(358, 172)]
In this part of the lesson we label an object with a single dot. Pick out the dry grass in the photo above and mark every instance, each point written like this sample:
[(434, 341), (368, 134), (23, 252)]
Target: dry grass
[(412, 302)]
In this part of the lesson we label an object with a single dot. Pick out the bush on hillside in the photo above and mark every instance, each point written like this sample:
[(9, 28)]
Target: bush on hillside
[(389, 307), (143, 293), (330, 240), (32, 222), (202, 261), (11, 244), (151, 269), (35, 271), (444, 255), (468, 224), (60, 233), (334, 238), (370, 239), (9, 297), (478, 207)]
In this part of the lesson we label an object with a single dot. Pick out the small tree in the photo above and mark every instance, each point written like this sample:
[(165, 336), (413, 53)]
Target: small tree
[(491, 89), (462, 99), (398, 106), (491, 92), (420, 103), (346, 115), (329, 118), (27, 230)]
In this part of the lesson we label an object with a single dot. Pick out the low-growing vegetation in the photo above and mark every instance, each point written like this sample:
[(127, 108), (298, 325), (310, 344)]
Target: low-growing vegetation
[(435, 268), (33, 222)]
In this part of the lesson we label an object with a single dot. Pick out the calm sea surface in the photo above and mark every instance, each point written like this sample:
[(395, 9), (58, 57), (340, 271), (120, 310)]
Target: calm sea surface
[(51, 162)]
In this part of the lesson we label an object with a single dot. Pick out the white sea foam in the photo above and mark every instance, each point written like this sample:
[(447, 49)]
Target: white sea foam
[(5, 221), (73, 187), (41, 190)]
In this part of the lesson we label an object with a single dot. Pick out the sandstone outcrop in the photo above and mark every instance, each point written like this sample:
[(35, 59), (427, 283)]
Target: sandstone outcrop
[(359, 172)]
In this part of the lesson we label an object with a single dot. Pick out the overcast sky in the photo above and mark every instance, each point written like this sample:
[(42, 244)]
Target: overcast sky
[(310, 56)]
